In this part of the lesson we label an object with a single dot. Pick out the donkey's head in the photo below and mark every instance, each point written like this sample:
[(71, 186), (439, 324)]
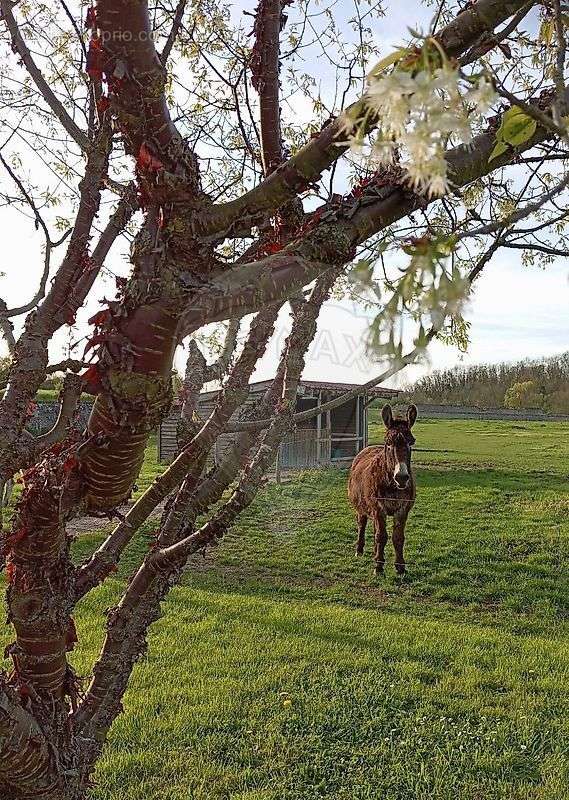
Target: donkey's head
[(398, 443)]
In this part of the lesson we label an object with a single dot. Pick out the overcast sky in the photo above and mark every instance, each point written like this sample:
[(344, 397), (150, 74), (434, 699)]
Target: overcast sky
[(516, 311)]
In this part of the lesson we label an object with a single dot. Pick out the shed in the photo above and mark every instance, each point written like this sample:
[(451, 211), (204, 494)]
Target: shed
[(331, 438)]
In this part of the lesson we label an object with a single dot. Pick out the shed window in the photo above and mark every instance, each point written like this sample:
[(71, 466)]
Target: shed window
[(304, 404)]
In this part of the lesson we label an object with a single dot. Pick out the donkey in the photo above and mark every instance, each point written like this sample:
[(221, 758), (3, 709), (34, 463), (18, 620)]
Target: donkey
[(381, 485)]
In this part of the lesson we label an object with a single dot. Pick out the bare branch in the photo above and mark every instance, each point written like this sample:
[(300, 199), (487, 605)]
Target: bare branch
[(18, 43), (26, 195), (219, 367), (26, 758), (7, 328), (194, 379), (550, 251), (519, 214), (174, 30), (246, 287), (140, 603), (188, 464), (488, 41), (71, 364), (122, 214), (70, 395), (69, 288), (49, 246), (125, 34), (559, 76)]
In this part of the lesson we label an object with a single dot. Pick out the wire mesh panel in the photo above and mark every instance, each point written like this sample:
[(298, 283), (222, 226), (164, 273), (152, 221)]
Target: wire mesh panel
[(301, 450), (344, 447), (304, 449)]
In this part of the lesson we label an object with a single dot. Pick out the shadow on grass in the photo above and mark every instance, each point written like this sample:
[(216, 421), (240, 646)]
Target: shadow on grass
[(486, 541), (472, 541)]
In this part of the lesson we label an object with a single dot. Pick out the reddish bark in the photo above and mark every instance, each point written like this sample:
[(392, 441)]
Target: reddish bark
[(136, 377)]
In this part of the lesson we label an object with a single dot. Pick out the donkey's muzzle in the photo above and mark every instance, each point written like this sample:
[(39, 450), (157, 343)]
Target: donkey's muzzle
[(401, 476)]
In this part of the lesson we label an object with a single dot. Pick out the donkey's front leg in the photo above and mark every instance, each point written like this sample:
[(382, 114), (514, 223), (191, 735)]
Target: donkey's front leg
[(380, 528), (399, 522), (360, 544)]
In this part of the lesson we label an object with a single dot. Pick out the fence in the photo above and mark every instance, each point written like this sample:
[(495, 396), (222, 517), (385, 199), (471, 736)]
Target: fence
[(432, 411)]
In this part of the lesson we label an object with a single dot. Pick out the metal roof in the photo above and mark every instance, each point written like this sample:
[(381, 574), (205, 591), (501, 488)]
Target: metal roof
[(333, 387)]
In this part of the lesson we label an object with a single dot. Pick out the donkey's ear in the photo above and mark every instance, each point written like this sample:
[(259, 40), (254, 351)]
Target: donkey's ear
[(387, 415), (412, 415)]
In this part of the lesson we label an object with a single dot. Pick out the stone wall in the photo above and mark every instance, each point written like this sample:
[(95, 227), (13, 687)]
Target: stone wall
[(45, 416)]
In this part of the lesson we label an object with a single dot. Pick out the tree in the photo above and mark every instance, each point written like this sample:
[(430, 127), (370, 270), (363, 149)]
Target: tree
[(523, 395), (170, 110), (5, 364), (488, 385)]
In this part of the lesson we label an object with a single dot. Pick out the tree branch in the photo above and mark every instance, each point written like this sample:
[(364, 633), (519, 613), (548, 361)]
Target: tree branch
[(488, 41), (189, 462), (306, 167), (194, 379), (49, 245), (26, 759), (70, 395), (550, 251), (68, 290), (265, 78), (246, 287), (218, 368), (174, 31), (136, 79), (19, 45), (7, 328), (139, 606)]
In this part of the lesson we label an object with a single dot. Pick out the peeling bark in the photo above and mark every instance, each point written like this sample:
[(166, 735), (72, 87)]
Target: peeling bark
[(50, 738)]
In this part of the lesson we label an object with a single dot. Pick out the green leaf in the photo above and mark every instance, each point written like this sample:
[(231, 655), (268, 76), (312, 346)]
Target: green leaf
[(507, 118), (499, 149), (392, 58), (517, 126), (362, 267)]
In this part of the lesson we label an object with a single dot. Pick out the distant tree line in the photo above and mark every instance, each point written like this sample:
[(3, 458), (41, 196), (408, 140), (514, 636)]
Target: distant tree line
[(541, 384)]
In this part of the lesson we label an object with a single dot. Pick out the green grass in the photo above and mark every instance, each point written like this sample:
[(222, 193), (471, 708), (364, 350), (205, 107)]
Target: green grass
[(283, 670), (527, 447), (151, 468), (52, 395)]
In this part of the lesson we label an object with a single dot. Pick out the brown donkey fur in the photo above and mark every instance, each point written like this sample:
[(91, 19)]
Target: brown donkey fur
[(381, 485)]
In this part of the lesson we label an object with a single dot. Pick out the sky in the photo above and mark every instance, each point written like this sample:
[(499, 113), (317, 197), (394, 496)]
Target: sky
[(516, 311)]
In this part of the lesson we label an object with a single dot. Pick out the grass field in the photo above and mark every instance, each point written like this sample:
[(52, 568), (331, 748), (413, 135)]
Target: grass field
[(283, 670)]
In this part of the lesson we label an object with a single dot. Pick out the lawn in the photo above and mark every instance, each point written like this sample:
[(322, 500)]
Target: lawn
[(283, 670)]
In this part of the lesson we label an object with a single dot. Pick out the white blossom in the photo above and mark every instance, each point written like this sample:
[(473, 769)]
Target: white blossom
[(418, 113), (482, 95), (384, 150)]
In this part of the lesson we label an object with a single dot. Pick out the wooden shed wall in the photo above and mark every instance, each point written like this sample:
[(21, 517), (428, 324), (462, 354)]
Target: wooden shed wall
[(302, 448), (168, 437), (168, 433)]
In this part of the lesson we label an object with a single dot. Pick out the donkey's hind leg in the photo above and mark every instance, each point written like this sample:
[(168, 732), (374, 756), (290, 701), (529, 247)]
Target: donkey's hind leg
[(360, 544)]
